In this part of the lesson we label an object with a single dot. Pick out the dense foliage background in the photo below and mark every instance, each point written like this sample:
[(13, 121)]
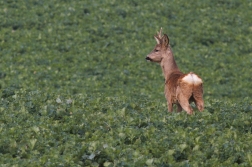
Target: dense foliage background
[(76, 90)]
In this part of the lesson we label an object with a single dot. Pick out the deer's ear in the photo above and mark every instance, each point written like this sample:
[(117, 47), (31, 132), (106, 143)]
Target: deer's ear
[(165, 40), (157, 39)]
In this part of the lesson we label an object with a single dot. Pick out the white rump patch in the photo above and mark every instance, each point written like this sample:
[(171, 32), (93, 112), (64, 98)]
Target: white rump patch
[(192, 78)]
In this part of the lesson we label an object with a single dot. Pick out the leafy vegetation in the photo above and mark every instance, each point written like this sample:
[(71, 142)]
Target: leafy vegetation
[(76, 90)]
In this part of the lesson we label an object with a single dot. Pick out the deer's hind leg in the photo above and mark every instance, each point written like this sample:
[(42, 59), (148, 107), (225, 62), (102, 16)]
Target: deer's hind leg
[(184, 92), (184, 102), (198, 97)]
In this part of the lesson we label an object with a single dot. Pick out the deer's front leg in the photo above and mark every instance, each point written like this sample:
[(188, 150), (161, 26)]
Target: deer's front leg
[(168, 99), (170, 106), (179, 108), (169, 103)]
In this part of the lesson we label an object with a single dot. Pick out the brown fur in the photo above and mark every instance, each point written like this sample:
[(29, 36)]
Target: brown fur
[(180, 88)]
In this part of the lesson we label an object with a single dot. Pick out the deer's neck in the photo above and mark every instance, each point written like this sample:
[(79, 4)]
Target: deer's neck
[(168, 64)]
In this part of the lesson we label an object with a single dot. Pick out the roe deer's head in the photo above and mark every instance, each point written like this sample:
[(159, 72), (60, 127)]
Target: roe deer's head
[(160, 50)]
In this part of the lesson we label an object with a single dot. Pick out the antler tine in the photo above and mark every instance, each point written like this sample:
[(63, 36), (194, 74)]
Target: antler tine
[(160, 33)]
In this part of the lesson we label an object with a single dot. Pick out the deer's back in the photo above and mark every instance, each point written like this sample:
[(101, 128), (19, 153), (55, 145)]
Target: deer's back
[(174, 79)]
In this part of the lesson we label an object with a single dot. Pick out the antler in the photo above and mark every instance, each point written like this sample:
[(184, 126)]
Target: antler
[(159, 34)]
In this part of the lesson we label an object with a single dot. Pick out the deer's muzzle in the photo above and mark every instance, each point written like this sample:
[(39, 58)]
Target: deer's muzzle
[(147, 58)]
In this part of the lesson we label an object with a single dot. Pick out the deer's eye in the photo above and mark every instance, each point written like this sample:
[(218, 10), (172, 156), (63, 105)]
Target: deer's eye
[(156, 50)]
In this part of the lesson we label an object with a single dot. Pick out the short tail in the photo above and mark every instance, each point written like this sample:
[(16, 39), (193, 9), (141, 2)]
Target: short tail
[(191, 87)]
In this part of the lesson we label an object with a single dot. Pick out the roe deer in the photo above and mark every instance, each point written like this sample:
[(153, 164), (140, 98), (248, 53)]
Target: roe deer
[(180, 89)]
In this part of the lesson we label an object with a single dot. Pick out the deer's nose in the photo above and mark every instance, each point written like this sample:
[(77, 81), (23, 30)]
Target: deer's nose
[(147, 58)]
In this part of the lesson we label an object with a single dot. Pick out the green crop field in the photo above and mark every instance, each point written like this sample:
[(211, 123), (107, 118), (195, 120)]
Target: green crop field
[(76, 90)]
